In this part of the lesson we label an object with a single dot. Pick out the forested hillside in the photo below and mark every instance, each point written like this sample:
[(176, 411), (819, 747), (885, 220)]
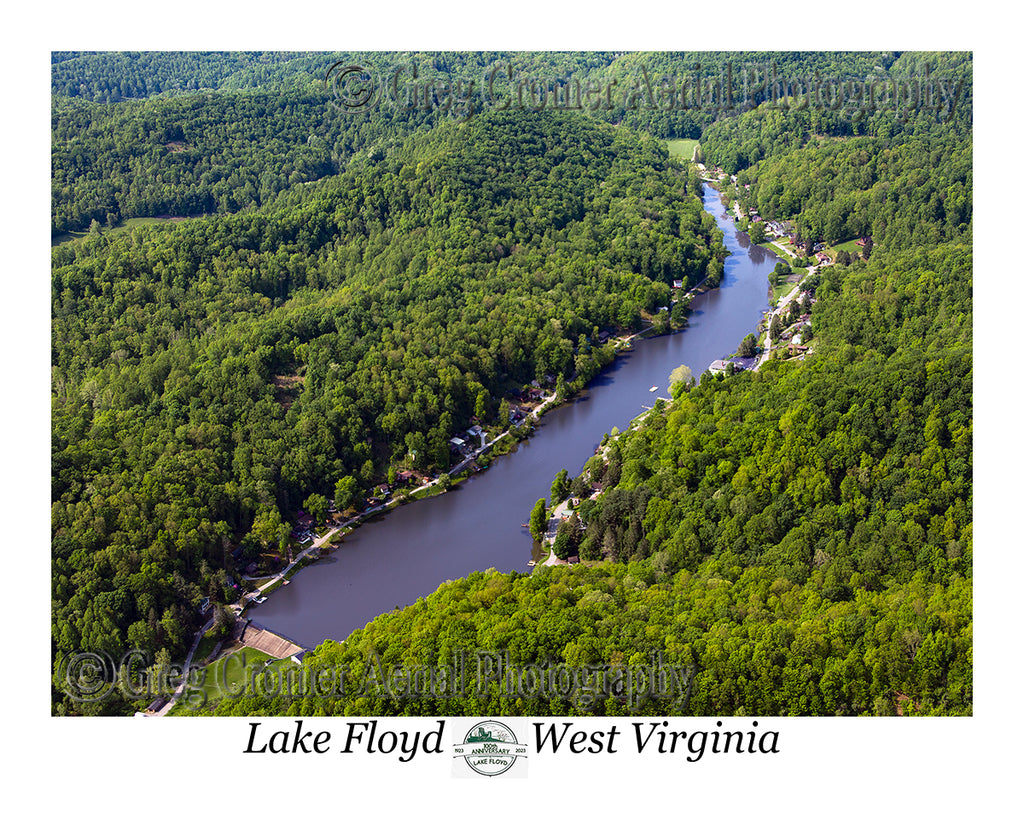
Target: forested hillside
[(181, 134), (368, 285), (800, 536), (401, 298)]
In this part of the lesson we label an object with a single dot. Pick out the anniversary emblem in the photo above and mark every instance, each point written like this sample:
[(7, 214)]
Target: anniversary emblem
[(490, 748)]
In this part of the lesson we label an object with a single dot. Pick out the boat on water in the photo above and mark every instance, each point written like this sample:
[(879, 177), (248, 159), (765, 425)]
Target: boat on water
[(653, 389)]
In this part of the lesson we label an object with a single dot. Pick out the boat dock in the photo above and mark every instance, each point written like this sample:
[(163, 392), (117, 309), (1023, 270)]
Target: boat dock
[(267, 641)]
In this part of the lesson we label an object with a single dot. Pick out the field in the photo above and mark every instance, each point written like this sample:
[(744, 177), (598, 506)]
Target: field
[(681, 149), (850, 247), (232, 675), (61, 238)]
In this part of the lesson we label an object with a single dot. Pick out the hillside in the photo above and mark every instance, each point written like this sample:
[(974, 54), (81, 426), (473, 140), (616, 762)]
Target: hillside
[(398, 299)]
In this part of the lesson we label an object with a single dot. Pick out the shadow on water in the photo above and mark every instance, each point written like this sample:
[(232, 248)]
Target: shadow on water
[(758, 255), (536, 552)]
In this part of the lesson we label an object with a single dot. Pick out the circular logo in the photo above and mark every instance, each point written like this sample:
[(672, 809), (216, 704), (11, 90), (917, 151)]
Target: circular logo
[(89, 676), (490, 748), (352, 86)]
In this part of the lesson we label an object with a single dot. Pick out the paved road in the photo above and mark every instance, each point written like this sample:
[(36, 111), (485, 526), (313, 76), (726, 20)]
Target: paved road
[(783, 304), (184, 674)]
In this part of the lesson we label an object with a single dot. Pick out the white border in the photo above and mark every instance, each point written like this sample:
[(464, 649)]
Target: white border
[(838, 767)]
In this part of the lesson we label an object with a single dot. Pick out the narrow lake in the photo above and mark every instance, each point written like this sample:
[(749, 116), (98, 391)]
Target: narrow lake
[(409, 552)]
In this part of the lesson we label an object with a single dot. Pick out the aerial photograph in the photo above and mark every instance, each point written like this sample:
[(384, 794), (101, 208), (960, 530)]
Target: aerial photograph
[(511, 384)]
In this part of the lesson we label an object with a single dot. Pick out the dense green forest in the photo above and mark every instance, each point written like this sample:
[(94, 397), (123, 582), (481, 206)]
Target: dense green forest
[(800, 536), (903, 192), (405, 296), (181, 134)]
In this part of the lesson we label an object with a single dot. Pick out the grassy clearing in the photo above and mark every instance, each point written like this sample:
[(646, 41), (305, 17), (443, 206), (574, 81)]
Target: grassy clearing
[(782, 290), (71, 236), (233, 674), (204, 648), (681, 149), (771, 247), (850, 247)]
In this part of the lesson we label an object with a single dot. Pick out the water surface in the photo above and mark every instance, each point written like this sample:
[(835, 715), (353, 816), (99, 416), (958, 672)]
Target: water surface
[(408, 553)]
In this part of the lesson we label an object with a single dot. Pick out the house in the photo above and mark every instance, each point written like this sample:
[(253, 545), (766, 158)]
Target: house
[(676, 284), (718, 366), (404, 476), (305, 519)]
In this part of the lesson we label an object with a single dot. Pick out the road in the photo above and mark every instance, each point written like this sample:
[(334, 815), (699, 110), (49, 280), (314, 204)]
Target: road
[(783, 304), (184, 672)]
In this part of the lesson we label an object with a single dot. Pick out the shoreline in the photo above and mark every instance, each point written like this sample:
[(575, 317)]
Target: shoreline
[(244, 607), (267, 584)]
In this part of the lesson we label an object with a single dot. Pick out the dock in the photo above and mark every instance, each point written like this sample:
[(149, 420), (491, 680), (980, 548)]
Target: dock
[(267, 642)]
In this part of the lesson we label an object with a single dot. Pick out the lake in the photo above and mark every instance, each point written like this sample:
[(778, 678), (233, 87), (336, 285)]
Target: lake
[(406, 554)]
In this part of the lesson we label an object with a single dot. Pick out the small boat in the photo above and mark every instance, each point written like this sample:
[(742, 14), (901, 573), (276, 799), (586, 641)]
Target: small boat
[(653, 389)]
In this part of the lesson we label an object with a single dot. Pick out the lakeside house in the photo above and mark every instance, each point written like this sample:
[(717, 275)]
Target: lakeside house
[(720, 365)]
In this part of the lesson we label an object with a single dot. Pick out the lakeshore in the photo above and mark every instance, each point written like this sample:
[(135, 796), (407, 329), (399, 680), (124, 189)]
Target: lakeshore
[(392, 560)]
